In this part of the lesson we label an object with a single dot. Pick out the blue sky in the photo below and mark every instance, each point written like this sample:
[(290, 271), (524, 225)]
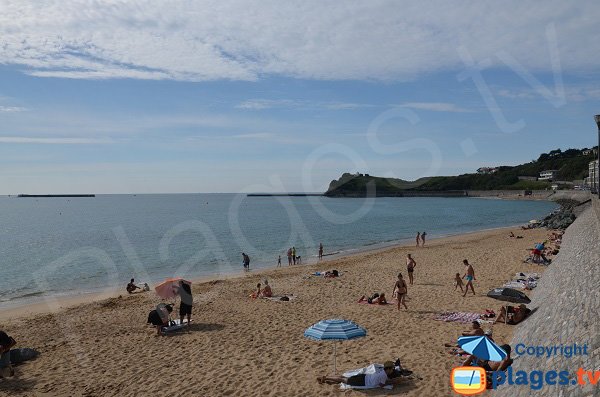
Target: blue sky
[(145, 97)]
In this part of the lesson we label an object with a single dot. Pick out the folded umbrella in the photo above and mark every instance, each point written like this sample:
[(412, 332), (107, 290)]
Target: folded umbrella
[(509, 295)]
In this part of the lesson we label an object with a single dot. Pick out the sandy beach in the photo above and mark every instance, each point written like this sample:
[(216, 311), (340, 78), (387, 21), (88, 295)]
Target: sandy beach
[(240, 346)]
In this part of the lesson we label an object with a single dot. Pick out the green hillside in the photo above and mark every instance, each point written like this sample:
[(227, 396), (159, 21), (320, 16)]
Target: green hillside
[(571, 165)]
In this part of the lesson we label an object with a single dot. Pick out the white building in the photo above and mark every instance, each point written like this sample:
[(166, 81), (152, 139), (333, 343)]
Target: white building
[(593, 178), (548, 175)]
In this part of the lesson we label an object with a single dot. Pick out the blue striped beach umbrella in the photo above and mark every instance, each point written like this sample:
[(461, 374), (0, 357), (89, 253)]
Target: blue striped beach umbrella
[(482, 348), (335, 330)]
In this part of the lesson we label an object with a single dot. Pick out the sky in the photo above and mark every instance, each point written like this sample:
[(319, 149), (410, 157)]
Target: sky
[(267, 96)]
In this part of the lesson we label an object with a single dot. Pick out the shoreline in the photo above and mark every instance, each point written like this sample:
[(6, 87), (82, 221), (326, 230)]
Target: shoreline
[(54, 304), (88, 346)]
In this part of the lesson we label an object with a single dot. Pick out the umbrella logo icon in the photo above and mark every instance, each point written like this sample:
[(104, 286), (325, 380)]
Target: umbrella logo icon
[(468, 380)]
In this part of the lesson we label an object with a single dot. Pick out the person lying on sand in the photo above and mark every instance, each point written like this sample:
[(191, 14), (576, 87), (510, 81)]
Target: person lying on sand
[(376, 299), (515, 314), (475, 330), (380, 378), (331, 274)]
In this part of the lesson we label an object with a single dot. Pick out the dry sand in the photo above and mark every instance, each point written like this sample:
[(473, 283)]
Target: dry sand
[(242, 347)]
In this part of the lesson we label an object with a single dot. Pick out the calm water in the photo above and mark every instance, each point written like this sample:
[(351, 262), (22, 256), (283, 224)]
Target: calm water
[(59, 246)]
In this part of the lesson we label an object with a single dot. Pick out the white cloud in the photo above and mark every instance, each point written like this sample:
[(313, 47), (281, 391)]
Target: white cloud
[(435, 107), (53, 141), (573, 93), (12, 109), (258, 135), (261, 104), (245, 40)]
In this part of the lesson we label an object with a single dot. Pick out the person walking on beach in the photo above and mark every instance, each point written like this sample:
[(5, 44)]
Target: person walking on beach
[(469, 276), (400, 291), (294, 255), (279, 261), (320, 251), (418, 238), (187, 300), (246, 261), (458, 283), (410, 268), (423, 239), (289, 256)]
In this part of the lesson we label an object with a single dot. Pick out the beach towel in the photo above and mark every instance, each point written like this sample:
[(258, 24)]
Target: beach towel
[(460, 317), (175, 325), (535, 276), (371, 369), (277, 298)]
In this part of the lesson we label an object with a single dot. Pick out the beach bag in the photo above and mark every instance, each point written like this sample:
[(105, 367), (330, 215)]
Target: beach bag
[(18, 356)]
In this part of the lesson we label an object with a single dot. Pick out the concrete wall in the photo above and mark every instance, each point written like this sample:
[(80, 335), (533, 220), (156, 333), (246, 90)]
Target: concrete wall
[(568, 305), (535, 194)]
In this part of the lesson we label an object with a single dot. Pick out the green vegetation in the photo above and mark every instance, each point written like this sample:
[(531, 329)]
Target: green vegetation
[(571, 165)]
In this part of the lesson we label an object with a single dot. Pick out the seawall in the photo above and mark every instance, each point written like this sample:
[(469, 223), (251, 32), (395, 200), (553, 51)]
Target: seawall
[(568, 302)]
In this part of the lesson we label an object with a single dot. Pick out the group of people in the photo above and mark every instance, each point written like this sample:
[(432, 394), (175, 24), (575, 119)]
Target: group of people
[(472, 360), (292, 258), (161, 316), (132, 286), (262, 292), (421, 239)]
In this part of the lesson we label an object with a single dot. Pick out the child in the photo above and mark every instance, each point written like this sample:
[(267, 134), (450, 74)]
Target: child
[(257, 293), (458, 282)]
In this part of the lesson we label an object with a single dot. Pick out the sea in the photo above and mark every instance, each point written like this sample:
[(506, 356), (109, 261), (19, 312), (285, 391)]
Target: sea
[(53, 247)]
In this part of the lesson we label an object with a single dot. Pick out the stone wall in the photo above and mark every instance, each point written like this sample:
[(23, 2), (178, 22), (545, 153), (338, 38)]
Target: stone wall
[(568, 305), (596, 205)]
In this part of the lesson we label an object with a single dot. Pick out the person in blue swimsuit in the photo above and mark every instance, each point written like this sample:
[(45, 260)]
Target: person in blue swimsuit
[(469, 276)]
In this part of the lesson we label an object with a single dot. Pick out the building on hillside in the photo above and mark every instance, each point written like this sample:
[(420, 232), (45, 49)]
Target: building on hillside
[(586, 152), (548, 175), (593, 176), (487, 170), (527, 178)]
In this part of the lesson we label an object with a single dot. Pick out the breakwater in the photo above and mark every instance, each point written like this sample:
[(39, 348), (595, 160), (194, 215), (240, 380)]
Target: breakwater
[(567, 303)]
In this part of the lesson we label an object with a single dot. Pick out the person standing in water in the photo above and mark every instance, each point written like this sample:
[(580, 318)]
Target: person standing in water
[(469, 276), (423, 239), (294, 255), (320, 251), (410, 268), (418, 238)]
